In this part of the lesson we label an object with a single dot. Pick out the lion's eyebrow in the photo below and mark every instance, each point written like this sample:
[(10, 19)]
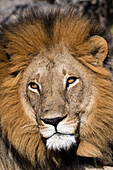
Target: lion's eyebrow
[(37, 77), (64, 71)]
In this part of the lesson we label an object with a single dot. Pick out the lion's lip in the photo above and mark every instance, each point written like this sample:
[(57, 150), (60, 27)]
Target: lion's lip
[(61, 134)]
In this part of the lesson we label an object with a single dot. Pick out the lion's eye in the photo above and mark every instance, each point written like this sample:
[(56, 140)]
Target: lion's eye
[(72, 81), (34, 87)]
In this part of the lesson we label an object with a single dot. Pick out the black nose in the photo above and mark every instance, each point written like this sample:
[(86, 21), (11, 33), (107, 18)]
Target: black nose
[(54, 121)]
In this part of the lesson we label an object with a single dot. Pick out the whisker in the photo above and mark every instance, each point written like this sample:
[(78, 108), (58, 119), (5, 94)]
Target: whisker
[(35, 130), (31, 130), (27, 126)]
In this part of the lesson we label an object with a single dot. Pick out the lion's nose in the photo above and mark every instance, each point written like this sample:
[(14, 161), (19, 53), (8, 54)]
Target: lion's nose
[(54, 121)]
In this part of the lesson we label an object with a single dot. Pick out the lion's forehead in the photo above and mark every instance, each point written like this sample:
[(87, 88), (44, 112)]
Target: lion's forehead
[(57, 64)]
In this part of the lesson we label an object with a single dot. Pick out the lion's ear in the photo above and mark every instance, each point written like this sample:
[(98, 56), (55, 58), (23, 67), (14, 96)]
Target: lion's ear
[(99, 48)]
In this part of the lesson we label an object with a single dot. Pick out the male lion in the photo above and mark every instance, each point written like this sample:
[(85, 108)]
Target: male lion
[(56, 99)]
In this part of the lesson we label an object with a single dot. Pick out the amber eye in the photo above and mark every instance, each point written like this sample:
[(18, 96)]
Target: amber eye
[(34, 87), (72, 81)]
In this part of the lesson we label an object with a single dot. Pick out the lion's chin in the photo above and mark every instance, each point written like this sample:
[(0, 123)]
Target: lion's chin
[(60, 141)]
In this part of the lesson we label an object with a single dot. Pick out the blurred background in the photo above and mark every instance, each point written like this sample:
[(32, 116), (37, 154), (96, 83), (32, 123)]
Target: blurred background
[(99, 10)]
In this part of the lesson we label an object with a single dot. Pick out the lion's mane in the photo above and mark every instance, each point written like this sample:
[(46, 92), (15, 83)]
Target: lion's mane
[(20, 41)]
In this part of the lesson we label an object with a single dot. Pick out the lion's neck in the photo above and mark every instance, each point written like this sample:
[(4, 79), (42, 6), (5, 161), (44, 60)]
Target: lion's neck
[(11, 160)]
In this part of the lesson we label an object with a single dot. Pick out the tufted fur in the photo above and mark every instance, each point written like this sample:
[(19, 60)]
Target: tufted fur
[(39, 33)]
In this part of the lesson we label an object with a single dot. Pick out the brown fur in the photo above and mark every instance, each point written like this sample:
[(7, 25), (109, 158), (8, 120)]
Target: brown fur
[(23, 40)]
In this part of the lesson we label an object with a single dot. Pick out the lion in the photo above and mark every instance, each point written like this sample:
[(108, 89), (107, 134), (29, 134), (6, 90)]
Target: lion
[(56, 97)]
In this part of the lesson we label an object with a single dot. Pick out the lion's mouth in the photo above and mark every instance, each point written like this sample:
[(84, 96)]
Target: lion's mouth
[(64, 136), (59, 134)]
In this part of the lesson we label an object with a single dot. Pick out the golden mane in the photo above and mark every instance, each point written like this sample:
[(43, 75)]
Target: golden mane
[(20, 42)]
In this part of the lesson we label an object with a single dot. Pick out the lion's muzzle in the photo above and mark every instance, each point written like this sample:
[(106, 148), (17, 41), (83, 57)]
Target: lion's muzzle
[(59, 132)]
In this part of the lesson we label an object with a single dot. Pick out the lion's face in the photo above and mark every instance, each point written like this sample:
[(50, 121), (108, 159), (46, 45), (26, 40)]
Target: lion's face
[(55, 88)]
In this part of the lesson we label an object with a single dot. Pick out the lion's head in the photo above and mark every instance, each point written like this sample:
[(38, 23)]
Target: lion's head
[(55, 93)]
